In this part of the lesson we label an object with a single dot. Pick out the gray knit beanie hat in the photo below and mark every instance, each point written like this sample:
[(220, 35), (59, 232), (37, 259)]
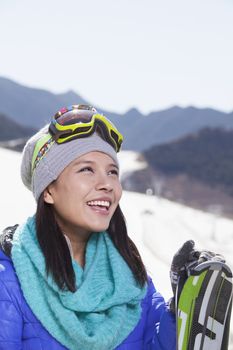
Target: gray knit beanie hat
[(57, 158)]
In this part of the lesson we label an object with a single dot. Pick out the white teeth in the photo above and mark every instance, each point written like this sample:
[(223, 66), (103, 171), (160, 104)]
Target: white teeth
[(100, 203)]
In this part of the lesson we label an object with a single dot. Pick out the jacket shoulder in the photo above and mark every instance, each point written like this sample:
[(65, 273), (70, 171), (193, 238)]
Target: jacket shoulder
[(10, 290), (7, 271)]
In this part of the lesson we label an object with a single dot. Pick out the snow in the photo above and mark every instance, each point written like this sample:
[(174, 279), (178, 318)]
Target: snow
[(157, 226), (129, 161)]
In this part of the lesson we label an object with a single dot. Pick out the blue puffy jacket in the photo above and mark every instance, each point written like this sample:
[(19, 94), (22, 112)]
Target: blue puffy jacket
[(21, 330)]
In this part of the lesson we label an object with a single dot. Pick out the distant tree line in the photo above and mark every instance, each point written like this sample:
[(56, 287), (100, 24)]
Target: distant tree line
[(206, 156)]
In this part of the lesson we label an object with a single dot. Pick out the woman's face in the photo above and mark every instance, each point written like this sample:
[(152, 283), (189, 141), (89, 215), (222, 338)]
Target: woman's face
[(86, 194)]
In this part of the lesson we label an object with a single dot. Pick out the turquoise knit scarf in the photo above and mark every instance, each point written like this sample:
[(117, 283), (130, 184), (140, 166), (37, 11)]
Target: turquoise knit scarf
[(104, 309)]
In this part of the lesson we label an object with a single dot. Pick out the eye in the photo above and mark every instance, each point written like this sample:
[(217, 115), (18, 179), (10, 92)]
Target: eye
[(114, 172), (86, 169)]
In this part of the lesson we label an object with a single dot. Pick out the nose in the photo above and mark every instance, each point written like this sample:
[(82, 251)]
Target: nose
[(103, 183)]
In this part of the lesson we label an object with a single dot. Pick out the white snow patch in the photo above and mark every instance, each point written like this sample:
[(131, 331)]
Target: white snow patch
[(130, 161)]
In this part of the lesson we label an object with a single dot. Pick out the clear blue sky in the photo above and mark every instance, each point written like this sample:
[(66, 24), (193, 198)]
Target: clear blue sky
[(119, 54)]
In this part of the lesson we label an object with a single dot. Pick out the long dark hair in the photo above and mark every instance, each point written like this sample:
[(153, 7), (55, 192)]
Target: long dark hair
[(57, 255)]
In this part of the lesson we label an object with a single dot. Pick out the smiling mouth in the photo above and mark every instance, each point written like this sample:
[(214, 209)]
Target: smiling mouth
[(102, 206)]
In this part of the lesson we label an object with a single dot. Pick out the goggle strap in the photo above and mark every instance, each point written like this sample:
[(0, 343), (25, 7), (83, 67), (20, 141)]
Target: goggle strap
[(41, 148)]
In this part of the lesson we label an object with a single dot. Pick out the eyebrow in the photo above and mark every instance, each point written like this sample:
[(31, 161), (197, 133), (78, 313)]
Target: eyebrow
[(78, 162)]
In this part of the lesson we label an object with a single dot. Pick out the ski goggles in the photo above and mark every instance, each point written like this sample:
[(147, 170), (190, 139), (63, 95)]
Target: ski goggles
[(80, 121)]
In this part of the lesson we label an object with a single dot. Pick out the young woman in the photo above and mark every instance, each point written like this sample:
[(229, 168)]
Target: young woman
[(70, 277)]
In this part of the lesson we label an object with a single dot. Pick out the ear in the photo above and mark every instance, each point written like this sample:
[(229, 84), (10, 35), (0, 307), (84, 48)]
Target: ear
[(48, 198)]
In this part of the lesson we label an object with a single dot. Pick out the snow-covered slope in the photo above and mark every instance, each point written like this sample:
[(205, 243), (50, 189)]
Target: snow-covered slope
[(157, 226)]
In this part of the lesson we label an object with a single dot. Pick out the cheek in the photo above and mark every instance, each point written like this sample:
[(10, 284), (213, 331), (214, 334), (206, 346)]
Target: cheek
[(64, 197), (68, 208)]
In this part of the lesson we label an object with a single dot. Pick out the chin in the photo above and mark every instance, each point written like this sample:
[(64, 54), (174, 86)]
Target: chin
[(98, 225), (100, 228)]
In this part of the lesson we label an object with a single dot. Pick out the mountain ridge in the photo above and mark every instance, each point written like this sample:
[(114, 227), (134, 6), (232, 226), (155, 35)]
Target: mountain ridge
[(32, 107)]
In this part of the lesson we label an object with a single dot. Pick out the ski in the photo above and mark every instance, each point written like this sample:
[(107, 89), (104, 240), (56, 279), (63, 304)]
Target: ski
[(204, 308)]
